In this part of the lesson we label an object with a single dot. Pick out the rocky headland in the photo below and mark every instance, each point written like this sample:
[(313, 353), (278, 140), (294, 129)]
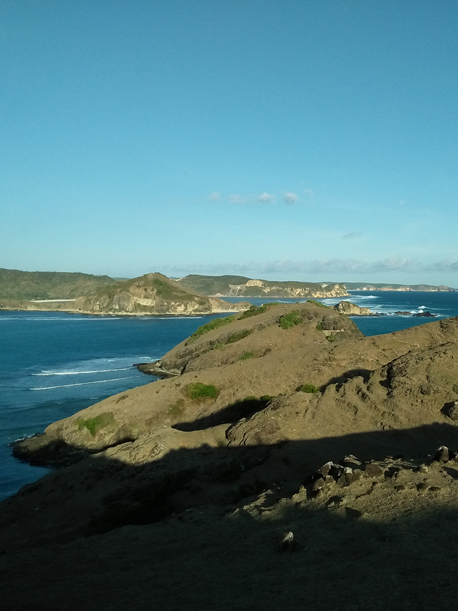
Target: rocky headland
[(283, 456), (241, 286), (152, 294)]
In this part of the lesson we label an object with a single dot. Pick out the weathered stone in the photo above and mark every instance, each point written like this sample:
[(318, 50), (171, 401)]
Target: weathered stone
[(346, 478), (373, 470), (351, 461), (442, 454), (318, 484), (288, 542), (325, 469), (452, 410)]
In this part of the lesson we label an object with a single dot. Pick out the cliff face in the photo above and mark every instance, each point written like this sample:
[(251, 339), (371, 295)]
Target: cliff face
[(236, 286), (151, 294)]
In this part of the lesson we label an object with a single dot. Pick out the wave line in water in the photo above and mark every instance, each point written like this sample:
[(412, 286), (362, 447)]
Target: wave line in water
[(77, 373), (81, 383)]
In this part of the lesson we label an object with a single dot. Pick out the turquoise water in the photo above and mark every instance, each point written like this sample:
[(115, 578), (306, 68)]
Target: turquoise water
[(53, 365)]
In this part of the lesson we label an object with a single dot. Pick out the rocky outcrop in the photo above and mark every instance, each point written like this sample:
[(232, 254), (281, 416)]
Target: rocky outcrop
[(351, 309)]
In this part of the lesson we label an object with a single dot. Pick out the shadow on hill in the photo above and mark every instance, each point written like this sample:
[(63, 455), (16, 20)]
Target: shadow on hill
[(245, 408), (349, 375), (196, 534)]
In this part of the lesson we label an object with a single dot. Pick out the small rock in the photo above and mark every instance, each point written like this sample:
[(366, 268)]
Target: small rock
[(347, 477), (423, 469), (288, 542), (434, 489), (373, 470), (421, 486), (452, 410), (399, 487), (350, 461), (325, 469), (442, 454)]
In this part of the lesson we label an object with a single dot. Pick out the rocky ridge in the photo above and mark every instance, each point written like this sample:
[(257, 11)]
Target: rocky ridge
[(240, 286)]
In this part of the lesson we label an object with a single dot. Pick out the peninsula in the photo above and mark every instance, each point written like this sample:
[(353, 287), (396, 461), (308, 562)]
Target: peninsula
[(280, 448)]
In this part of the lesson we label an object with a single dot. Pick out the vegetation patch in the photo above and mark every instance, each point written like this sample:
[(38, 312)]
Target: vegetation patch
[(291, 320), (247, 355), (317, 303), (235, 337), (200, 392), (177, 408), (331, 338), (216, 323), (255, 310), (319, 327), (93, 425), (309, 388)]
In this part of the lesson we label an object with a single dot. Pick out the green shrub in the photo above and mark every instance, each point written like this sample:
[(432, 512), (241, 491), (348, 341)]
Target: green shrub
[(210, 326), (309, 388), (255, 310), (176, 409), (93, 425), (317, 303), (290, 320), (235, 337), (319, 327), (247, 355), (199, 392), (331, 338)]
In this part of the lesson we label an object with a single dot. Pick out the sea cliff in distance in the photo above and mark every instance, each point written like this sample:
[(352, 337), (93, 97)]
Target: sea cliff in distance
[(241, 286), (371, 286)]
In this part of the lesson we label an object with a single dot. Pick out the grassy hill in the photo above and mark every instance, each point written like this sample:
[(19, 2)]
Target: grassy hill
[(15, 284), (149, 294)]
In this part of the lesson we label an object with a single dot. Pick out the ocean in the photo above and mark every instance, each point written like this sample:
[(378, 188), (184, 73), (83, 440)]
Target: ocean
[(54, 364)]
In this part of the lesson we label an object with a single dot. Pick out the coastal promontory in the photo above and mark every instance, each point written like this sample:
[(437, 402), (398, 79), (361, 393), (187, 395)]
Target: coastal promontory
[(280, 448)]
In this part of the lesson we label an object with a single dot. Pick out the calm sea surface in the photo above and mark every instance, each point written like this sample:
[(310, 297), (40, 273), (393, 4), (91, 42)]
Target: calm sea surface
[(53, 365)]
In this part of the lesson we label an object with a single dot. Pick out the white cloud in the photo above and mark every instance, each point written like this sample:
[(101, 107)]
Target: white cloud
[(214, 197), (236, 199), (265, 198), (290, 198)]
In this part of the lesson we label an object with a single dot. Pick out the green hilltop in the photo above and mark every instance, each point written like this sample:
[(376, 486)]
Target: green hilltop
[(15, 284)]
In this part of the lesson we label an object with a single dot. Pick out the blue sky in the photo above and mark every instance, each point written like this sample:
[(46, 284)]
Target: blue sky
[(292, 139)]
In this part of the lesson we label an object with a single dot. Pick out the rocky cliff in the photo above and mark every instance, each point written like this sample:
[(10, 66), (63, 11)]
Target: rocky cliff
[(152, 294), (237, 286)]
